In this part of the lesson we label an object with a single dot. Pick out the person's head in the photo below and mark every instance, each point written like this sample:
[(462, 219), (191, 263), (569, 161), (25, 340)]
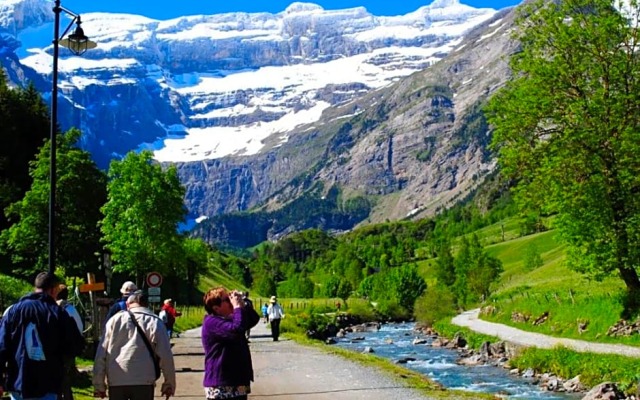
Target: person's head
[(128, 288), (137, 299), (273, 300), (168, 302), (48, 283), (63, 292), (217, 301)]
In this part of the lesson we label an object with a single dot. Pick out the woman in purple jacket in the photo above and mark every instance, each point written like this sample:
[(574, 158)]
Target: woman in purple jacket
[(227, 363)]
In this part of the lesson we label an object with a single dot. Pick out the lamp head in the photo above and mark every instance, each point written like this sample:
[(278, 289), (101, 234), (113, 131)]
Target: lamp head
[(78, 42)]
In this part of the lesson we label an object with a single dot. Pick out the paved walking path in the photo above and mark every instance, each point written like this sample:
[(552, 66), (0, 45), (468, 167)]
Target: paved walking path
[(470, 320), (287, 370)]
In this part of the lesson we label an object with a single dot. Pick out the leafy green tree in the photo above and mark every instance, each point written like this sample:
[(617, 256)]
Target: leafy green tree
[(81, 191), (24, 129), (266, 285), (141, 216), (445, 268), (330, 286), (196, 253), (567, 127), (344, 290), (532, 258), (407, 285)]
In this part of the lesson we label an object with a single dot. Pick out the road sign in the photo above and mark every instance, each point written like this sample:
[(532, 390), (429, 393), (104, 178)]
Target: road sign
[(154, 279), (154, 291), (154, 299)]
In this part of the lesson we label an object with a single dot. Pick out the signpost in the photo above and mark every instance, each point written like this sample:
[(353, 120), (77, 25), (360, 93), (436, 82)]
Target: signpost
[(90, 287), (154, 280)]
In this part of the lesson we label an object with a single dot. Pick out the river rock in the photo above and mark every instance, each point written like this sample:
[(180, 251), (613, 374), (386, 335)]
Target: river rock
[(419, 341), (574, 385), (404, 360), (604, 391), (528, 373), (368, 350), (366, 327)]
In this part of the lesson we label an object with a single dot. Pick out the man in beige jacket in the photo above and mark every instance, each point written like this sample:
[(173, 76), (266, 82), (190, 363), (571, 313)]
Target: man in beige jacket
[(124, 359)]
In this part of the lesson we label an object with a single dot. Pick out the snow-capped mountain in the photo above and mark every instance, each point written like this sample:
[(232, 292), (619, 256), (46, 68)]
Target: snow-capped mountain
[(229, 81), (251, 105)]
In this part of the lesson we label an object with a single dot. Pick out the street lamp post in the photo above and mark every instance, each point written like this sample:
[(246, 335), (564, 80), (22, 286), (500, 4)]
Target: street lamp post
[(78, 43)]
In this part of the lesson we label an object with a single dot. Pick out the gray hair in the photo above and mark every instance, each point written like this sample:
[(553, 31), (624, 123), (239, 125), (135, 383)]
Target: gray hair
[(138, 297)]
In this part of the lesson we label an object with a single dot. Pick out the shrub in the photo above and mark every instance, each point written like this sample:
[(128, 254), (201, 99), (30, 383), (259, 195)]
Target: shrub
[(437, 303)]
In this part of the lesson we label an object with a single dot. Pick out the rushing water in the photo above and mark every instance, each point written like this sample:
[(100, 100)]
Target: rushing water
[(394, 341)]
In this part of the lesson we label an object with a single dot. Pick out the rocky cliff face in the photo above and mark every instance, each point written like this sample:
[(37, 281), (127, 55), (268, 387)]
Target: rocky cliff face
[(255, 109), (416, 146)]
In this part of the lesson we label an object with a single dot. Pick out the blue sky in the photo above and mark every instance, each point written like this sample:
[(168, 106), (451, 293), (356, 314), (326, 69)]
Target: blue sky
[(164, 9)]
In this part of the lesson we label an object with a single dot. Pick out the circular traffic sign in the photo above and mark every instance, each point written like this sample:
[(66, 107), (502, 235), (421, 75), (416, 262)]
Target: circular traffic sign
[(154, 279)]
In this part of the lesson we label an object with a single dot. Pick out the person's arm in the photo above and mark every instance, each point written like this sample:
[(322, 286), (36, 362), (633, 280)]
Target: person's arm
[(163, 350), (100, 363), (73, 340), (5, 351)]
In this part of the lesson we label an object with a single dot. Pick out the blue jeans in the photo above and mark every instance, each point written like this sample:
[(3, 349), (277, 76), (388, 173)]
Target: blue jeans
[(48, 396)]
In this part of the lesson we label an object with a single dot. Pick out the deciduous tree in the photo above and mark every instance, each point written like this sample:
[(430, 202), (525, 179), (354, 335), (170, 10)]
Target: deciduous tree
[(567, 127), (81, 191), (141, 217)]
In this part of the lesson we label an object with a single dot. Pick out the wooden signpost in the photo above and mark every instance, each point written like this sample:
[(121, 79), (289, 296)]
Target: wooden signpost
[(90, 287)]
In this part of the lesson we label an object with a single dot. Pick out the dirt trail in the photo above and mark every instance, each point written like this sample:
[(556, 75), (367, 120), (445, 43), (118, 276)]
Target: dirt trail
[(470, 320), (287, 370)]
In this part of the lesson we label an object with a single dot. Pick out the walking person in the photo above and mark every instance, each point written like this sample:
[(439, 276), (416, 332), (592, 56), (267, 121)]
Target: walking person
[(124, 357), (69, 362), (128, 288), (168, 315), (228, 371), (36, 336), (275, 313), (265, 315)]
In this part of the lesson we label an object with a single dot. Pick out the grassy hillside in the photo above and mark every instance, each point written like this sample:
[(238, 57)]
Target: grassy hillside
[(568, 297)]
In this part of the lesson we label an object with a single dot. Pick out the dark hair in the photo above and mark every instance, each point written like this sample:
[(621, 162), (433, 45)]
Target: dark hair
[(63, 294), (46, 281)]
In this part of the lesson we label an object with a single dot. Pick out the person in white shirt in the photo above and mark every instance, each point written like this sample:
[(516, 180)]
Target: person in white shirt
[(63, 301), (275, 313)]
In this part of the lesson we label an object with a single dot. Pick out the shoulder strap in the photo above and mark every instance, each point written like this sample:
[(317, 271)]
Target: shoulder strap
[(145, 339)]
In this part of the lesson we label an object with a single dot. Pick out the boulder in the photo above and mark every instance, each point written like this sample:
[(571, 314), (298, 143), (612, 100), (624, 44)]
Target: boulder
[(604, 391)]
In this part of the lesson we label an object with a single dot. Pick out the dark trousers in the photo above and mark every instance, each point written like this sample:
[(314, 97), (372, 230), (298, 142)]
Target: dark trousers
[(275, 328), (69, 366), (131, 392)]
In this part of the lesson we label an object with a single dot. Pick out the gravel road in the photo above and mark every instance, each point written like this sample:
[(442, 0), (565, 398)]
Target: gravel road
[(470, 320), (287, 370)]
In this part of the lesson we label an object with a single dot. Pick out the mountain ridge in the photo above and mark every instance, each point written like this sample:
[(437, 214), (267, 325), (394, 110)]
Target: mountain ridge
[(256, 122)]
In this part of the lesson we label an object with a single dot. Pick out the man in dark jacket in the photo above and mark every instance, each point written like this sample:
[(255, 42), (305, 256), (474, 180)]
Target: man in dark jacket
[(35, 337)]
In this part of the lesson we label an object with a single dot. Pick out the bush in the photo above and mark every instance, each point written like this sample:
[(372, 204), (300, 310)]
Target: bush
[(392, 311), (363, 310), (437, 303)]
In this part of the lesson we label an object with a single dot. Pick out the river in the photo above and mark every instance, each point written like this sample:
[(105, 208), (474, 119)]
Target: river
[(395, 341)]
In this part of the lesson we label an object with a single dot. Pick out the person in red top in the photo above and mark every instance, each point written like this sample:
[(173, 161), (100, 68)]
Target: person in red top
[(168, 314)]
